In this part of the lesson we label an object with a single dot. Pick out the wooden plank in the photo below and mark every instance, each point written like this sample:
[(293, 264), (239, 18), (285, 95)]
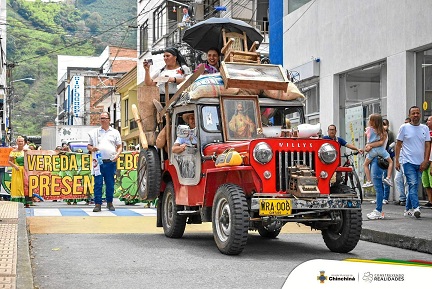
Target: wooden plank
[(142, 135)]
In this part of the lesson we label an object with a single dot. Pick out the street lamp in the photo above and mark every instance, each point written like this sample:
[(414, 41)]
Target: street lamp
[(10, 93)]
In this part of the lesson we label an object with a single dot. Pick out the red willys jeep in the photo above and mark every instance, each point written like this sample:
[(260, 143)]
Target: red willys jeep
[(247, 172)]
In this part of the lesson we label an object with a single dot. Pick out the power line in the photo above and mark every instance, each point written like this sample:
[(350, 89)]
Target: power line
[(298, 18)]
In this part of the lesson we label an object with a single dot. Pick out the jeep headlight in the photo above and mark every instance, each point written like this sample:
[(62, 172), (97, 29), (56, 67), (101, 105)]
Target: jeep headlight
[(262, 153), (327, 153)]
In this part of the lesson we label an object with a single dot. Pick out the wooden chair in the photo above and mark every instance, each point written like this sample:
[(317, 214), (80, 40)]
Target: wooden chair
[(235, 48)]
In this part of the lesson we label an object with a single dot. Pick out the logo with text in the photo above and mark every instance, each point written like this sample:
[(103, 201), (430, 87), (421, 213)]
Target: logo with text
[(335, 277)]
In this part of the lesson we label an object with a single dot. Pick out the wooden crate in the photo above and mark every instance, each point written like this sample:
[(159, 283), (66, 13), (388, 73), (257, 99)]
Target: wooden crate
[(254, 76), (146, 108)]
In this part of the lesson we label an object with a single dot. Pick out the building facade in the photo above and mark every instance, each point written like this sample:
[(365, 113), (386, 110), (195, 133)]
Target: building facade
[(354, 58), (86, 86)]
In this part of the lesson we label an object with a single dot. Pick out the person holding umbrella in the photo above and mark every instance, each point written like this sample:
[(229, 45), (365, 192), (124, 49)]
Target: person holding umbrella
[(175, 69), (213, 61)]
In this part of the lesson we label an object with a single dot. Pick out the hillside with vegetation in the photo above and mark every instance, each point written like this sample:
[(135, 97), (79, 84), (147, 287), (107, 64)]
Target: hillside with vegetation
[(37, 32)]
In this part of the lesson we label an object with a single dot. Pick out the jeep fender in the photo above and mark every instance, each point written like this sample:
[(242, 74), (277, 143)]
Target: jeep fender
[(243, 176)]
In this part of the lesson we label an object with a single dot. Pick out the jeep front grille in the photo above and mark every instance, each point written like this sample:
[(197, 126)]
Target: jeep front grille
[(284, 160)]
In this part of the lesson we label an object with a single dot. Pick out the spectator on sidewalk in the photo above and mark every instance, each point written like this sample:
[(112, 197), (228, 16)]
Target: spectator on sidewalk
[(16, 161), (413, 143), (427, 174), (331, 131), (400, 182), (390, 140), (377, 139)]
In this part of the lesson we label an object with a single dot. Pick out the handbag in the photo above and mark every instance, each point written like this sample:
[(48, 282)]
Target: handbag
[(383, 163)]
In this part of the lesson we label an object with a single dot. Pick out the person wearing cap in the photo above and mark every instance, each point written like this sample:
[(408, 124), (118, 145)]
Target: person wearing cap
[(181, 143), (175, 69)]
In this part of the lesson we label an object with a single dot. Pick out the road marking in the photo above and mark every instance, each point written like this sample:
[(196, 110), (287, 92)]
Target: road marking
[(89, 212)]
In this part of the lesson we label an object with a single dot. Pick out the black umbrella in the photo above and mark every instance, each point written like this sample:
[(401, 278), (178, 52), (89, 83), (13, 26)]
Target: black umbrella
[(207, 34)]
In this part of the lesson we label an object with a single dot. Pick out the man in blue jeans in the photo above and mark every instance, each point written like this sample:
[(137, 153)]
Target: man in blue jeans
[(413, 144), (107, 140)]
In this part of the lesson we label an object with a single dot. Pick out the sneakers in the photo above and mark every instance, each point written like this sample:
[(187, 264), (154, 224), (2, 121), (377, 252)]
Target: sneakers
[(408, 213), (388, 182), (97, 208), (417, 212), (385, 202), (367, 185), (400, 203), (375, 215), (428, 205)]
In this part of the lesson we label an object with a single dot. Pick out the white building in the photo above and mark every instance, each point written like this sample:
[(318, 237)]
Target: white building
[(374, 57)]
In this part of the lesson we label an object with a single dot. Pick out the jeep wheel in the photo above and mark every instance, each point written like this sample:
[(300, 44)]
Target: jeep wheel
[(343, 236), (173, 224), (230, 219), (266, 233), (149, 174)]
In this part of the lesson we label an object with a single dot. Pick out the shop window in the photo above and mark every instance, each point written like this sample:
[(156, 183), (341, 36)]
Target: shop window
[(424, 80), (312, 103)]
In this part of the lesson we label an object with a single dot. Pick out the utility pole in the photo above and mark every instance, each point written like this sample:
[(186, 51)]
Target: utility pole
[(9, 93)]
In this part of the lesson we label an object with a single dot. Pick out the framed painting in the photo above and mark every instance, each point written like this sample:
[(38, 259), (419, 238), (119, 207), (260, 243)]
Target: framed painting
[(241, 117), (254, 76)]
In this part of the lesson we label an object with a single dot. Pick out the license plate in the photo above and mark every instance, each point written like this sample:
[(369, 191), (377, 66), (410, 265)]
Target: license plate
[(275, 207)]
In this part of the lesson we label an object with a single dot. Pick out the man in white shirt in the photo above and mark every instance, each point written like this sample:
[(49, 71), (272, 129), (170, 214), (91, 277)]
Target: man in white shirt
[(107, 141), (413, 144)]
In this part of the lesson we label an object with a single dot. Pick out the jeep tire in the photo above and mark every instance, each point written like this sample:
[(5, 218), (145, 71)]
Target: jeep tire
[(343, 236), (173, 224), (149, 174), (230, 219)]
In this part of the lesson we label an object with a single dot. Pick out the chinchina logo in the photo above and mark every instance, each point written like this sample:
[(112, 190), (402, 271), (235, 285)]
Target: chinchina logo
[(322, 277), (335, 277)]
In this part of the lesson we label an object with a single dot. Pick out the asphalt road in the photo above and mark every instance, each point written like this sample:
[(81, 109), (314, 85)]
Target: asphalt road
[(150, 260)]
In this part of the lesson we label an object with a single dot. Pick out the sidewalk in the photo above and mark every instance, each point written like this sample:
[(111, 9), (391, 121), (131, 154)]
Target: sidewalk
[(396, 230), (14, 247)]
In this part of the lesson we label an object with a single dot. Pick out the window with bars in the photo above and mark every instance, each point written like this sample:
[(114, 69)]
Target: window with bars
[(144, 37), (126, 112), (159, 21)]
